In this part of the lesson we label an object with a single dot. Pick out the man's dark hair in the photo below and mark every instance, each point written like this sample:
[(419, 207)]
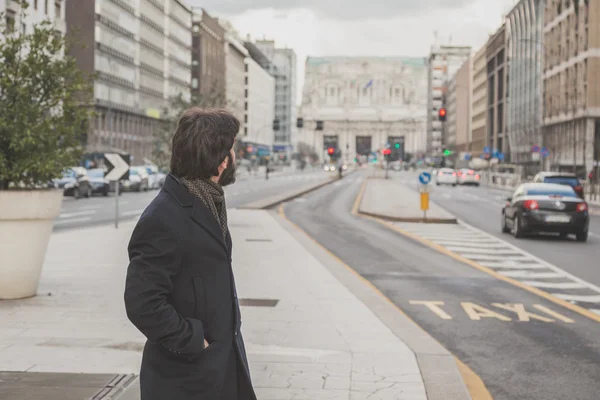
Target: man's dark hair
[(203, 139)]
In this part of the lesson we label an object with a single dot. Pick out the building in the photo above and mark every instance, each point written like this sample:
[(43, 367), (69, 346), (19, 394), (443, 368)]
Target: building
[(235, 77), (479, 100), (208, 71), (284, 68), (141, 56), (457, 129), (572, 85), (259, 102), (496, 80), (38, 11), (443, 63), (525, 50), (364, 103)]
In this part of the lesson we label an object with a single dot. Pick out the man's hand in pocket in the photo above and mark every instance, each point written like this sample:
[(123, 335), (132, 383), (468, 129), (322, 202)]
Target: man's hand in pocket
[(205, 343)]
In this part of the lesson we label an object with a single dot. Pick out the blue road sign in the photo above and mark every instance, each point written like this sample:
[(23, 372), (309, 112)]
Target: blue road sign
[(486, 149), (468, 157), (545, 152), (535, 148), (425, 178), (501, 156)]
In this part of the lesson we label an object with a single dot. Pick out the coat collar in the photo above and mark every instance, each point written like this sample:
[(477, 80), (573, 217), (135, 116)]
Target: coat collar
[(200, 213)]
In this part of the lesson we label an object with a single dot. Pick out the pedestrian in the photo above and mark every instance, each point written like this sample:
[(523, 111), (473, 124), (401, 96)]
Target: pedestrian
[(180, 289)]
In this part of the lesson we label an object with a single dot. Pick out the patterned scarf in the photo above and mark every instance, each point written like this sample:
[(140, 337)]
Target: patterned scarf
[(213, 197)]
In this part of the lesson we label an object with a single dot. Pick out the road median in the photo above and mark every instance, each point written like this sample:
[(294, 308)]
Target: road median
[(392, 200)]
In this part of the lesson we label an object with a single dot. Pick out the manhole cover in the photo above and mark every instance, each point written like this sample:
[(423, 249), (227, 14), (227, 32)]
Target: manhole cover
[(258, 302)]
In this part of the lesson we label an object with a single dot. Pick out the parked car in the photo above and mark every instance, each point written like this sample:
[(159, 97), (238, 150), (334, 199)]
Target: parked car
[(138, 180), (74, 182), (97, 181), (561, 178), (153, 178), (546, 207), (468, 177), (446, 176)]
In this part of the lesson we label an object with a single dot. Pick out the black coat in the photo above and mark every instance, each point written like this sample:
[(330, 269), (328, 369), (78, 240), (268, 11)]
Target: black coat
[(180, 290)]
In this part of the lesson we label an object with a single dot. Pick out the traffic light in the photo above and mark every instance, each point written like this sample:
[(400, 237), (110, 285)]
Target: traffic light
[(386, 152), (442, 114), (397, 145), (330, 151), (447, 152), (300, 123), (319, 125)]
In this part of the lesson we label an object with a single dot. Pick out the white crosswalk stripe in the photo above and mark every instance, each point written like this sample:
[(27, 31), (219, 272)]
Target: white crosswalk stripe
[(508, 260)]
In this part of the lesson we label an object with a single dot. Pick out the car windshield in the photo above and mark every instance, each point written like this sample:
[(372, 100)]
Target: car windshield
[(96, 173), (562, 180), (567, 192), (133, 172), (69, 174)]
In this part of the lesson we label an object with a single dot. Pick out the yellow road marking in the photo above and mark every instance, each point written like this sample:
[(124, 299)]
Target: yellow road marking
[(358, 198), (474, 383), (476, 312), (523, 314), (553, 313), (433, 306)]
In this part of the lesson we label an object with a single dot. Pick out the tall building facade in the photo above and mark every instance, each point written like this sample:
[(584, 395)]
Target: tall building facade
[(443, 63), (525, 50), (362, 103), (458, 104), (259, 103), (572, 84), (496, 92), (208, 71), (284, 68), (479, 103), (235, 78), (141, 55), (38, 11)]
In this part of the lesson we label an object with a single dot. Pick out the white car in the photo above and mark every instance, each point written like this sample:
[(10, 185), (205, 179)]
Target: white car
[(446, 176), (468, 177), (153, 177)]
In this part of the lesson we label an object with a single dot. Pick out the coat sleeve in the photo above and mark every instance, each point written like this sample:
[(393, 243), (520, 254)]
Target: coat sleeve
[(154, 261)]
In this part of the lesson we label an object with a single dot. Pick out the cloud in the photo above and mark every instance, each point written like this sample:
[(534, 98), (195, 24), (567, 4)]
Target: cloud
[(337, 9)]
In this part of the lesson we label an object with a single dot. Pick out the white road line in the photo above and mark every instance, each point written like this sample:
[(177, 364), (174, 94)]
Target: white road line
[(483, 244), (532, 275), (508, 264), (92, 207), (532, 257), (478, 250), (77, 214), (465, 246), (475, 257), (555, 285), (72, 220), (578, 298)]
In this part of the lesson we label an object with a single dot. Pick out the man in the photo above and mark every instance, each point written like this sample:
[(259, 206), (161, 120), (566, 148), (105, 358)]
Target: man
[(180, 291)]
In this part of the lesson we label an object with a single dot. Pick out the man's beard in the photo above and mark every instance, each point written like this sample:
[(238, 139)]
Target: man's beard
[(228, 175)]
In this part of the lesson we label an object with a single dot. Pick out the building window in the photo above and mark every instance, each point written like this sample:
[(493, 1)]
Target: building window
[(194, 83), (46, 7), (23, 28), (35, 4), (57, 8), (10, 23)]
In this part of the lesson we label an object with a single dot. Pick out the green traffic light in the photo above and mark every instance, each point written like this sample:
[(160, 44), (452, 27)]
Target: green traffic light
[(447, 152), (397, 145)]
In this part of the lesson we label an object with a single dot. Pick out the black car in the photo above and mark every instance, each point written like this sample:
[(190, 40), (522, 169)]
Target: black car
[(561, 178), (74, 182), (546, 207)]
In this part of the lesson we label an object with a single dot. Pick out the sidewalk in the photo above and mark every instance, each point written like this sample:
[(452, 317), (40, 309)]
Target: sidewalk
[(392, 199), (314, 340)]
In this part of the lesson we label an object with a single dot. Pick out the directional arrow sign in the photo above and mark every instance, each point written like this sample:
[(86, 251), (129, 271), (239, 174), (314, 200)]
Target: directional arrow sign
[(119, 167)]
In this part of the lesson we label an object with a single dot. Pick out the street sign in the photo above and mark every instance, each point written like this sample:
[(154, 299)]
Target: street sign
[(535, 148), (545, 152), (119, 168), (486, 149), (467, 156), (501, 156), (424, 202), (425, 178)]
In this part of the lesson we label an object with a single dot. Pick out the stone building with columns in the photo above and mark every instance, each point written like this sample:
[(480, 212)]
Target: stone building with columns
[(362, 103)]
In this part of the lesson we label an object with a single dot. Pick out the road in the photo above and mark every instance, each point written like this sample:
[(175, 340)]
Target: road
[(481, 207), (248, 189), (522, 345)]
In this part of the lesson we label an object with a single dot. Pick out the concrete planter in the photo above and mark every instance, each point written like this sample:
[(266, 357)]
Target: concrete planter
[(26, 220)]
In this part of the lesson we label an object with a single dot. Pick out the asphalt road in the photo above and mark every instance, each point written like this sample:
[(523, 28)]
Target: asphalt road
[(481, 207), (544, 352), (248, 189)]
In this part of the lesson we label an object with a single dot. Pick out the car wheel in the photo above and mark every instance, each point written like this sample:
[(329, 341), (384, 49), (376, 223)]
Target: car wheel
[(582, 237), (516, 228), (504, 227), (76, 193)]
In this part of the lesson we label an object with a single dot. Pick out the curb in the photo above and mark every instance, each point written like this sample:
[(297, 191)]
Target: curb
[(359, 211), (276, 200)]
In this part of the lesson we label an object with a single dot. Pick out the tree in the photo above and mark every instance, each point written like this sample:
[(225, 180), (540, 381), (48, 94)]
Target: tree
[(212, 98), (44, 105)]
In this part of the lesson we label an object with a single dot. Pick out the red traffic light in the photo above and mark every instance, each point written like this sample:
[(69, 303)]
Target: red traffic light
[(442, 112), (330, 151), (387, 152)]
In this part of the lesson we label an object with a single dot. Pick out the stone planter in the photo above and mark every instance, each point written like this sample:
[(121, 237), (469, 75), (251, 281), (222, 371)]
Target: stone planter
[(26, 220)]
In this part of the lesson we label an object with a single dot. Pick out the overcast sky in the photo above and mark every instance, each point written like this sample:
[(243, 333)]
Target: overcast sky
[(370, 28)]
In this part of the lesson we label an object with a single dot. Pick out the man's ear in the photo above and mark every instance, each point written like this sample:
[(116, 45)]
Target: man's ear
[(225, 162)]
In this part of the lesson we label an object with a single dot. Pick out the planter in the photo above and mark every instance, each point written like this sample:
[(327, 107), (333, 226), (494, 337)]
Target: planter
[(26, 220)]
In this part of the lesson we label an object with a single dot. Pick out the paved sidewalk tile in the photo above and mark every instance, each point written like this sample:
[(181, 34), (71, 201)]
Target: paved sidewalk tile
[(317, 342)]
